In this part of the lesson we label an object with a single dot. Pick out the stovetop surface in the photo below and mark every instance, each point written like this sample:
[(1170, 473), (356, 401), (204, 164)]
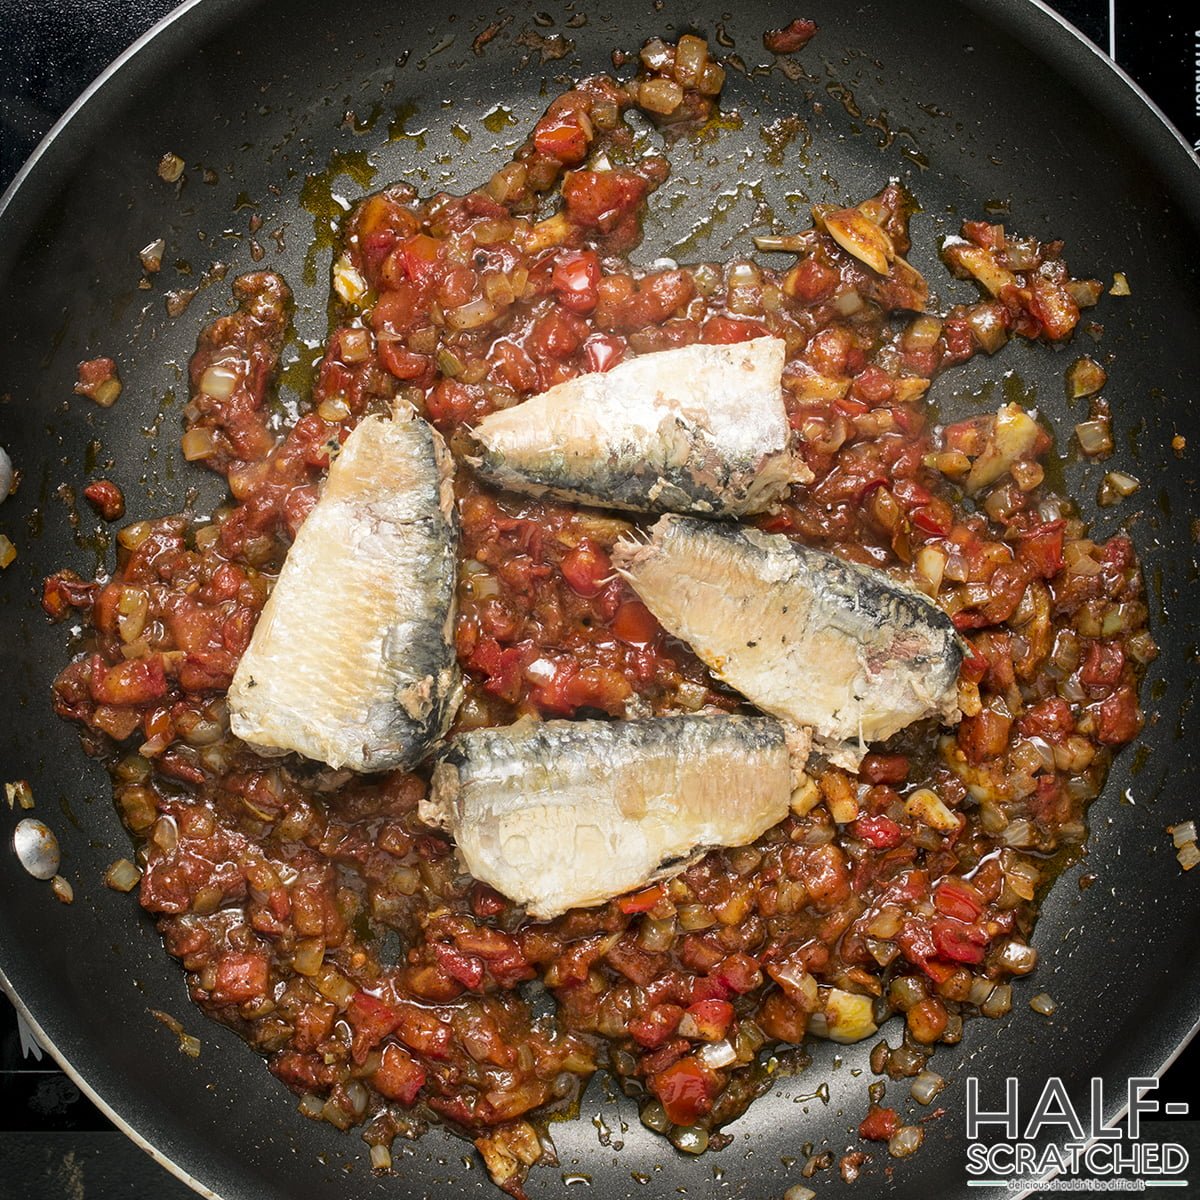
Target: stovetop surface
[(53, 1141)]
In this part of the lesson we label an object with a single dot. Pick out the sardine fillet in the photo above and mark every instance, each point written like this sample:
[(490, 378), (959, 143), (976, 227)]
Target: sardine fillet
[(566, 814), (802, 634), (697, 429), (352, 662)]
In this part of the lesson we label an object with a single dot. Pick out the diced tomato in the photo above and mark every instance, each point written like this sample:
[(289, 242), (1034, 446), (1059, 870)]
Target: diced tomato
[(658, 1024), (740, 973), (1117, 718), (643, 901), (402, 362), (423, 256), (600, 199), (881, 832), (603, 350), (791, 37), (563, 136), (486, 901), (722, 331), (635, 624), (371, 1020), (884, 768), (136, 681), (399, 1076), (685, 1090), (810, 281), (958, 899), (1042, 548), (958, 942), (586, 568), (874, 385), (515, 367), (576, 275), (465, 968), (1050, 719), (879, 1124), (1105, 661), (241, 975)]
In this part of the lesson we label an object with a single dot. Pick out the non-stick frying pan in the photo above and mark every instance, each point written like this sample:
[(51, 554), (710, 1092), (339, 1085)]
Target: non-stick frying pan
[(980, 105)]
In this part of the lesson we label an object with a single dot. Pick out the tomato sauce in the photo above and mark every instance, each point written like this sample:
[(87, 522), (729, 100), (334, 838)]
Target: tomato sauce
[(314, 913)]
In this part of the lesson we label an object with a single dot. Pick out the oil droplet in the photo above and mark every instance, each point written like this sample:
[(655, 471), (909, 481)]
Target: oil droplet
[(398, 129), (498, 119), (327, 208)]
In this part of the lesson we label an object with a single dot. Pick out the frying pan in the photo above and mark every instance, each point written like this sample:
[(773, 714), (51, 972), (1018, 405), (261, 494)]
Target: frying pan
[(973, 102)]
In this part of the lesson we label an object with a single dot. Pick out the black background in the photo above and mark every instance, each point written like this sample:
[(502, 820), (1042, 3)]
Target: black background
[(53, 1142)]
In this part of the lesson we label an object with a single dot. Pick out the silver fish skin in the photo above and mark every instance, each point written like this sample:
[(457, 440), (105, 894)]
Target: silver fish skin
[(804, 635), (698, 429), (567, 814), (352, 662)]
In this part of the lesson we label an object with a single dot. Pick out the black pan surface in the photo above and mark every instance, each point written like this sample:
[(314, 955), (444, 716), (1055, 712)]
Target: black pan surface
[(971, 102)]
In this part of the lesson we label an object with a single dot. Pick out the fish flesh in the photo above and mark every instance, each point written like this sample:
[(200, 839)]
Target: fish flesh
[(698, 429), (804, 635), (567, 814), (352, 662)]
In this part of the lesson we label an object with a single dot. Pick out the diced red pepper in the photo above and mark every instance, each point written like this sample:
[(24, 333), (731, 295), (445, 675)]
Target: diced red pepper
[(563, 136), (958, 899), (958, 942), (708, 1020), (643, 901)]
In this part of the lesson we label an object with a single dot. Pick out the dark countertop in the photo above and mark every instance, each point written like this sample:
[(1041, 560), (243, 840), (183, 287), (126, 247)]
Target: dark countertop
[(53, 1143)]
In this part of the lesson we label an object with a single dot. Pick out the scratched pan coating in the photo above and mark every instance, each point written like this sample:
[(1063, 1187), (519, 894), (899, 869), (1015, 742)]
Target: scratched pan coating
[(973, 102)]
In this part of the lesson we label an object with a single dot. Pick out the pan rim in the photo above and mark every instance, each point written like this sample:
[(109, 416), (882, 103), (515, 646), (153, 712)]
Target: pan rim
[(1024, 20)]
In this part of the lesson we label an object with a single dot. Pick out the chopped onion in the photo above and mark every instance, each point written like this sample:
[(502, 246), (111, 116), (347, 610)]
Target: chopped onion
[(20, 793), (62, 890), (472, 314), (1189, 856), (198, 443), (1183, 833), (799, 1192), (8, 552), (122, 876), (662, 96), (1085, 377), (170, 167), (1018, 958), (219, 381), (999, 1002), (691, 1139), (381, 1158), (926, 1086), (348, 281), (1120, 285), (1095, 437), (905, 1141), (928, 807), (1043, 1003), (311, 1106), (717, 1055), (691, 57)]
